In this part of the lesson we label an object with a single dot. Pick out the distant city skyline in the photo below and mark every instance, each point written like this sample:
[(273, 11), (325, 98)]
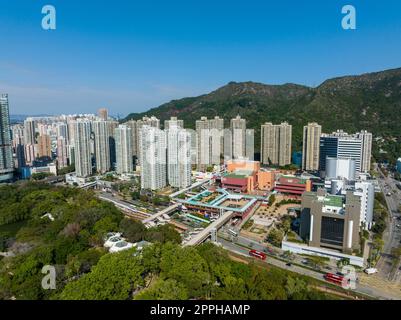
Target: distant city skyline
[(133, 56)]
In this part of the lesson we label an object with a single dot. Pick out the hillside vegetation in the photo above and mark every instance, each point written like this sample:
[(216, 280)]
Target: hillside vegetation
[(370, 101), (73, 244)]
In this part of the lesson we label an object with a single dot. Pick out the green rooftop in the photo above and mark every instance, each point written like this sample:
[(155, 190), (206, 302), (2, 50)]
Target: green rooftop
[(334, 201), (235, 176)]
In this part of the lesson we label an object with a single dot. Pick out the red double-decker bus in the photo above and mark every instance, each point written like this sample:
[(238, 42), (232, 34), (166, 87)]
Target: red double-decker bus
[(336, 279), (257, 254)]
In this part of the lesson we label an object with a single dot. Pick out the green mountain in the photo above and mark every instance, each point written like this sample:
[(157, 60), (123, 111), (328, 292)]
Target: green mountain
[(370, 101)]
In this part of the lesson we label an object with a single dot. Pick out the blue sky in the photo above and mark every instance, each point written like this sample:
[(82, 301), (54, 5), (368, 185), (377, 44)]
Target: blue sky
[(132, 55)]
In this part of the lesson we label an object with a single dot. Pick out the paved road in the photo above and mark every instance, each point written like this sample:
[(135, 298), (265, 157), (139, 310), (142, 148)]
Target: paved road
[(392, 235), (167, 210), (379, 294), (124, 205)]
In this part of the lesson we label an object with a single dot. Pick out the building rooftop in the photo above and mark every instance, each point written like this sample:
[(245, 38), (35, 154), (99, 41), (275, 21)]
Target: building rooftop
[(238, 174), (333, 201), (292, 179)]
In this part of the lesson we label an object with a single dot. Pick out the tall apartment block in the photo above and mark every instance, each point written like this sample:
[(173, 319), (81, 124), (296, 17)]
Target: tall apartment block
[(238, 129), (134, 137), (82, 149), (17, 135), (102, 145), (145, 121), (178, 157), (203, 143), (250, 144), (276, 143), (153, 150), (30, 131), (311, 147), (210, 137), (216, 126), (123, 138), (44, 146), (6, 154), (173, 122), (62, 131), (30, 152), (112, 125), (366, 160), (62, 154)]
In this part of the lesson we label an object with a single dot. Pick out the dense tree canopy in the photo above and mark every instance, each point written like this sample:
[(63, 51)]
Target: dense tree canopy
[(72, 242)]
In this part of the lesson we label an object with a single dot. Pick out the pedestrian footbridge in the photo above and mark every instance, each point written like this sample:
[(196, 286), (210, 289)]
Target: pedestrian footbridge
[(213, 227)]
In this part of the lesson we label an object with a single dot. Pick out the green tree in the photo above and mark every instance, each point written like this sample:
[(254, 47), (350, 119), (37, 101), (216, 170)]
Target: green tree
[(115, 277), (164, 290), (186, 266), (163, 234), (294, 286), (275, 237), (133, 230)]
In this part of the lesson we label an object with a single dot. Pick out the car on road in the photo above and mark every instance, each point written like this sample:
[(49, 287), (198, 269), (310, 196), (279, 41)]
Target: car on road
[(289, 264), (371, 271)]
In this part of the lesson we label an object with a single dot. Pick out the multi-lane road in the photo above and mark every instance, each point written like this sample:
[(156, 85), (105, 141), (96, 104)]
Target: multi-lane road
[(392, 235), (362, 289)]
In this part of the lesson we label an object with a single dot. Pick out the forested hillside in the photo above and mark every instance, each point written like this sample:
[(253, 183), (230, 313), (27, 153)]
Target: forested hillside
[(370, 101)]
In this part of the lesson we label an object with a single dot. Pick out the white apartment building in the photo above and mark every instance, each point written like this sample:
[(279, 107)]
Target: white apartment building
[(82, 149), (366, 191), (178, 157), (123, 142), (153, 150), (238, 129), (311, 147), (276, 143), (62, 155), (145, 121), (102, 147), (174, 121)]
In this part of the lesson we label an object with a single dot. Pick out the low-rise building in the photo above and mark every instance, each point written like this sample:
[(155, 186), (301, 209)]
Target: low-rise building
[(241, 181), (293, 185)]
